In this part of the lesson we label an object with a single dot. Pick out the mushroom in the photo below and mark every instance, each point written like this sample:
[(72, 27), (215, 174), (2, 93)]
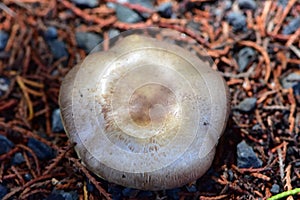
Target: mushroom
[(145, 114)]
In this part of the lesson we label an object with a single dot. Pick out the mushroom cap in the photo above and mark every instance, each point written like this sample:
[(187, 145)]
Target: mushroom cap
[(145, 114)]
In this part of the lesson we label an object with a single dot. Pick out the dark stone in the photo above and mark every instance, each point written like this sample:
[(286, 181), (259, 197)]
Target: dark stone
[(245, 56), (50, 33), (191, 188), (292, 26), (296, 90), (227, 4), (62, 195), (246, 157), (18, 159), (173, 193), (247, 4), (165, 9), (144, 195), (237, 20), (4, 85), (247, 105), (290, 80), (58, 48), (86, 3), (129, 192), (27, 177), (3, 39), (3, 191), (115, 191), (282, 3), (5, 144), (88, 41), (127, 15), (57, 125), (89, 186), (41, 150), (275, 188), (113, 33)]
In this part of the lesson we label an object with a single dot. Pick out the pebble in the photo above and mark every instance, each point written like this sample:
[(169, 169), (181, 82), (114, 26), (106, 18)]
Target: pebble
[(129, 192), (245, 56), (275, 189), (296, 90), (57, 125), (3, 191), (5, 144), (282, 3), (191, 188), (247, 4), (292, 26), (4, 85), (144, 194), (3, 39), (227, 4), (246, 157), (62, 195), (51, 33), (290, 80), (165, 9), (237, 20), (57, 48), (18, 158), (89, 186), (41, 150), (247, 105), (87, 40), (173, 193), (27, 177), (86, 3), (113, 33), (127, 15)]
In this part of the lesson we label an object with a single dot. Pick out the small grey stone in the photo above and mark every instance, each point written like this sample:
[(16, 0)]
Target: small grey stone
[(57, 125), (3, 191), (275, 189), (129, 192), (86, 3), (246, 157), (244, 57), (18, 158), (58, 48), (5, 144), (247, 4), (173, 193), (282, 3), (227, 4), (127, 15), (237, 20), (3, 39), (27, 177), (290, 80), (50, 33), (4, 85), (247, 105), (87, 40), (113, 33), (165, 9), (41, 150), (292, 26), (61, 194)]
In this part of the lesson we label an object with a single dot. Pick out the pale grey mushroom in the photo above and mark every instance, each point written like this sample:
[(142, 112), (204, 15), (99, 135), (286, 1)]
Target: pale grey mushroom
[(145, 114)]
